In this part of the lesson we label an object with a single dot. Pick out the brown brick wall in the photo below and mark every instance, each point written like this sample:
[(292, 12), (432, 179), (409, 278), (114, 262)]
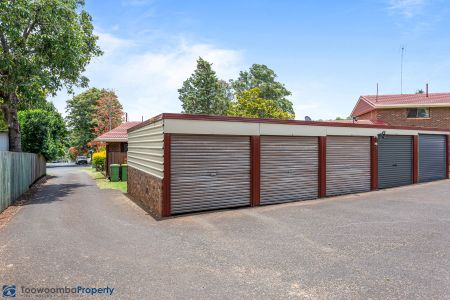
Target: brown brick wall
[(368, 116), (147, 189), (439, 117)]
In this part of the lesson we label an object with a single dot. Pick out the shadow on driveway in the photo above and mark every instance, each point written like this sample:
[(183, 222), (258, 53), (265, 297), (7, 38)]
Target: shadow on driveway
[(54, 192)]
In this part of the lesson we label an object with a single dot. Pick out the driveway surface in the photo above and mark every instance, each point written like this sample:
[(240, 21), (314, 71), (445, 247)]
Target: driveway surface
[(383, 245)]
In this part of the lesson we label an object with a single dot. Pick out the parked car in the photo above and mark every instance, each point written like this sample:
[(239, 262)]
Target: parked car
[(81, 160)]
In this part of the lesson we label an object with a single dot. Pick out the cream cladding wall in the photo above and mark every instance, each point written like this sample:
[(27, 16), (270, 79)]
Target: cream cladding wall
[(145, 149)]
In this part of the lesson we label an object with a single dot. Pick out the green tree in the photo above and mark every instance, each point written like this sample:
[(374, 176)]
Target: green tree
[(262, 77), (44, 45), (3, 124), (203, 92), (419, 91), (88, 116), (82, 117), (108, 113), (43, 132), (340, 118), (249, 103), (36, 103)]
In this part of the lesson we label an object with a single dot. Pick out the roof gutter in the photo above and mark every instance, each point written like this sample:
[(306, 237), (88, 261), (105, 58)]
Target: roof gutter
[(378, 106), (108, 140)]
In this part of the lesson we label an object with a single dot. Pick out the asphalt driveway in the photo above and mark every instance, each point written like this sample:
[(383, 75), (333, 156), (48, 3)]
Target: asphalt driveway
[(386, 244)]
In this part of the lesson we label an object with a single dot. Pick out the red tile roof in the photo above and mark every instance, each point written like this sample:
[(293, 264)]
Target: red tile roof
[(118, 134), (366, 104)]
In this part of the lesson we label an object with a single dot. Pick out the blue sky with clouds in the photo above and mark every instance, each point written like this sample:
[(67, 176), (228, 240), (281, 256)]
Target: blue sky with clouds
[(326, 52)]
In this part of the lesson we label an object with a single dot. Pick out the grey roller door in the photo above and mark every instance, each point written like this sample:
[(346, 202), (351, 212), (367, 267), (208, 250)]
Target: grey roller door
[(209, 172), (348, 165), (394, 161), (432, 157), (289, 169)]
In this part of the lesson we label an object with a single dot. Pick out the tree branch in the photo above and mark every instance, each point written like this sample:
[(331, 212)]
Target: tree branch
[(28, 29), (31, 24), (4, 43)]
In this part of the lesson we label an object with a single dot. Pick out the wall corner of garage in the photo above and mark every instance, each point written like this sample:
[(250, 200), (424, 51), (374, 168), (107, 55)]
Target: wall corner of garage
[(166, 198), (146, 167)]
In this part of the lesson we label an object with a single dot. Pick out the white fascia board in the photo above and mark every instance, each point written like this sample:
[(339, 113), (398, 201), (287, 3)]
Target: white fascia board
[(178, 126), (210, 127)]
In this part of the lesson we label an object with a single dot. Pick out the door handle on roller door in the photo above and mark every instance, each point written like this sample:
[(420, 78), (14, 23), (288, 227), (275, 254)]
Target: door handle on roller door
[(213, 174), (394, 164)]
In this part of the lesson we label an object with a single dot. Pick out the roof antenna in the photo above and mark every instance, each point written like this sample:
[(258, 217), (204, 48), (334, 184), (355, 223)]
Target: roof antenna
[(401, 70), (376, 98)]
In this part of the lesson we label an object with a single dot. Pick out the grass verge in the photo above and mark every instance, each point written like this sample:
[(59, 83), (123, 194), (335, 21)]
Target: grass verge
[(104, 183)]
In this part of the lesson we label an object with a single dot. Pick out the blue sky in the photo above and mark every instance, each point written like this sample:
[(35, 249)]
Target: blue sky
[(327, 53)]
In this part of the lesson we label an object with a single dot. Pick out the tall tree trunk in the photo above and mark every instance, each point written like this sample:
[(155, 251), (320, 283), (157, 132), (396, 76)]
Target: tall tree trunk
[(15, 144)]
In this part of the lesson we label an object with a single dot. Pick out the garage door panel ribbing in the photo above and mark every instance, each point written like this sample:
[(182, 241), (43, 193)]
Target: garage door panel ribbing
[(395, 155), (432, 156), (348, 165), (289, 169), (209, 172)]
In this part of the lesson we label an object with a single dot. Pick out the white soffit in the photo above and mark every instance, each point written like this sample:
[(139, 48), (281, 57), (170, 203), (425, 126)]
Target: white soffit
[(186, 126)]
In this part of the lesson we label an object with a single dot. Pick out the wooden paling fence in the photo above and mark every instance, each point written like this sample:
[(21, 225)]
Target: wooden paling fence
[(18, 171)]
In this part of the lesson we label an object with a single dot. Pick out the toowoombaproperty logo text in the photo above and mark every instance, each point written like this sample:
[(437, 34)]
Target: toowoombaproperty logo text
[(11, 291)]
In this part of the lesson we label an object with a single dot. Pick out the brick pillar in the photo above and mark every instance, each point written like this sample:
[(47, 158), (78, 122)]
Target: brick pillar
[(322, 166), (415, 141), (255, 143), (373, 163), (448, 155)]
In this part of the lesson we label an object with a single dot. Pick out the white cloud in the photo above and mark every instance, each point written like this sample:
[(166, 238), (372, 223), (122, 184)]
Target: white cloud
[(147, 81), (111, 44), (408, 8)]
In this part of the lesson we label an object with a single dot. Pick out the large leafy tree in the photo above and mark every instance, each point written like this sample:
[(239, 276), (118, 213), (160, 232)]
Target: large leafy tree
[(44, 132), (36, 103), (250, 103), (203, 92), (80, 111), (88, 116), (44, 45), (108, 113), (262, 77)]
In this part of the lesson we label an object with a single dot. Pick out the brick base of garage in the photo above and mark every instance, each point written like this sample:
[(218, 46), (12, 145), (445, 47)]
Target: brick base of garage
[(147, 189)]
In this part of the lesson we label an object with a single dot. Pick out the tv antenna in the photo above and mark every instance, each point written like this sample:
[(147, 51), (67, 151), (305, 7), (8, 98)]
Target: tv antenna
[(376, 98), (401, 69)]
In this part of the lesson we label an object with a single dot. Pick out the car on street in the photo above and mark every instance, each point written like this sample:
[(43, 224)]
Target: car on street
[(81, 160)]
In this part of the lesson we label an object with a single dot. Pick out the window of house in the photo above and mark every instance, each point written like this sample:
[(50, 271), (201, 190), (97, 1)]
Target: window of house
[(124, 147), (418, 113)]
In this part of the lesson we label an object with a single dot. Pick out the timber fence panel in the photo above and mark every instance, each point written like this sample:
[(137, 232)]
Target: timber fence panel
[(18, 171)]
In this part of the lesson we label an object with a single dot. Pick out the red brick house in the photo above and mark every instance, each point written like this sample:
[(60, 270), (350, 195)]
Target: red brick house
[(426, 110), (116, 144)]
